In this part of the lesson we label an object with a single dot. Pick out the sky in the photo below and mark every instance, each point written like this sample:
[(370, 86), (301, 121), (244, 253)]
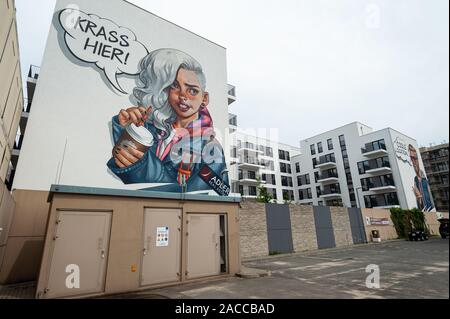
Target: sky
[(309, 66)]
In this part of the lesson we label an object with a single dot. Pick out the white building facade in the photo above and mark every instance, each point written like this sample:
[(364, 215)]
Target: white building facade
[(256, 159), (355, 166)]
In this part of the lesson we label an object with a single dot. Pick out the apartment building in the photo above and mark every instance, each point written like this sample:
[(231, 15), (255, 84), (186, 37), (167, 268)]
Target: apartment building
[(355, 166), (256, 159), (11, 94), (436, 162)]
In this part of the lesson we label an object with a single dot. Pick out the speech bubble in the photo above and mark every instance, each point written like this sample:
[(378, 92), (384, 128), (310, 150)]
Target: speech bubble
[(92, 39)]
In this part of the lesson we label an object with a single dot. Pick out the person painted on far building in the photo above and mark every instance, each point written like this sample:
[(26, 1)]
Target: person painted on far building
[(421, 186), (173, 104)]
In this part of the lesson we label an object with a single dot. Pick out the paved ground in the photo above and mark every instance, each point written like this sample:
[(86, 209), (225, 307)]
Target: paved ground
[(407, 270)]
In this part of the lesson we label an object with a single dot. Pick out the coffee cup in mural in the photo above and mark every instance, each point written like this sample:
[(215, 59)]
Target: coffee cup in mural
[(137, 137)]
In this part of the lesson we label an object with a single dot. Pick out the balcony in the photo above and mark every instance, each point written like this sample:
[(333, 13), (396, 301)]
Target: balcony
[(249, 149), (250, 179), (379, 170), (231, 94), (382, 188), (33, 75), (331, 192), (326, 163), (331, 195), (249, 163), (374, 149), (328, 178)]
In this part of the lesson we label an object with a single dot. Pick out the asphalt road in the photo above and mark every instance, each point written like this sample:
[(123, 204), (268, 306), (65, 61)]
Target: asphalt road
[(406, 270)]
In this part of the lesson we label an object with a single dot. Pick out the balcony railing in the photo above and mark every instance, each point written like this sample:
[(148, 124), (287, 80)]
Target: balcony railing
[(374, 146), (330, 192), (327, 159), (327, 175)]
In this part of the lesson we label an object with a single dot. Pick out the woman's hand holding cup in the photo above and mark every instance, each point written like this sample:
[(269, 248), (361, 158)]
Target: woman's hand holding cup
[(134, 115)]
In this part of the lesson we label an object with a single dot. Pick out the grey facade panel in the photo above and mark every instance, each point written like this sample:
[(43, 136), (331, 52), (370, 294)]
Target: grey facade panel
[(324, 227), (279, 230), (357, 225)]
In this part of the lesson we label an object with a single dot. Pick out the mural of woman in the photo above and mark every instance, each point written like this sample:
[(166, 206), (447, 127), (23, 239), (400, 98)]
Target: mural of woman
[(172, 106), (421, 186)]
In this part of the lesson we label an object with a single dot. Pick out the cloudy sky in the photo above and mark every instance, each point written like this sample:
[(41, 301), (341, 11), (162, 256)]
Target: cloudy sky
[(308, 66)]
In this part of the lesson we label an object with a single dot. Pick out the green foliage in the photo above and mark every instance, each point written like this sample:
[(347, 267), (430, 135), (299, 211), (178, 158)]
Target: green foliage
[(398, 220), (407, 220), (263, 195)]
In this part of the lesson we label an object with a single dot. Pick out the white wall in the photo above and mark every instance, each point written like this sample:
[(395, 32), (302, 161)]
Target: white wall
[(405, 169), (73, 102)]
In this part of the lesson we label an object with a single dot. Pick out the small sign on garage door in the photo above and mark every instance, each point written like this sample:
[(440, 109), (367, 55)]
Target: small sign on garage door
[(162, 236)]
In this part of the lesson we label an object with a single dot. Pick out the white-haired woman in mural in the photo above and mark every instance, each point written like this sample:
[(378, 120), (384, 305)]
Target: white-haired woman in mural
[(172, 106)]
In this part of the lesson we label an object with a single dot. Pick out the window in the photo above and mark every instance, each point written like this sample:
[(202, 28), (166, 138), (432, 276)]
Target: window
[(285, 168), (297, 167), (314, 162), (373, 164), (251, 175), (288, 195), (286, 181), (319, 147), (234, 152), (313, 149), (269, 151), (316, 176), (330, 144), (252, 190), (309, 193), (342, 140), (329, 158), (268, 164), (387, 199), (300, 195), (303, 180), (318, 191), (373, 146), (284, 155), (269, 179)]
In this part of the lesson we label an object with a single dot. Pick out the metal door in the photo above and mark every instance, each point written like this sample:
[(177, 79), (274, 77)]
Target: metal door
[(324, 227), (279, 232), (203, 245), (161, 252), (357, 226), (79, 255)]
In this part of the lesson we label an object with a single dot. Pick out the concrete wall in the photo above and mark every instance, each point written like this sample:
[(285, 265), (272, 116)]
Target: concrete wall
[(11, 95), (6, 215), (252, 218), (341, 226), (303, 227), (386, 232), (23, 250)]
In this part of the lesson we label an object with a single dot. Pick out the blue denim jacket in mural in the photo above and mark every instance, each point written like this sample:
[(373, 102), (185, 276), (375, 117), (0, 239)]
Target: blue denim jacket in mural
[(150, 169), (426, 204)]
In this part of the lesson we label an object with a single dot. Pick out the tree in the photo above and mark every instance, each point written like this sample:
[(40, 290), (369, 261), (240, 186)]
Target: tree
[(263, 195)]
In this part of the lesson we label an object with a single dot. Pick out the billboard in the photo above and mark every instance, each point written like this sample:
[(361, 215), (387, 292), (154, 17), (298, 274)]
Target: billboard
[(415, 182), (128, 100)]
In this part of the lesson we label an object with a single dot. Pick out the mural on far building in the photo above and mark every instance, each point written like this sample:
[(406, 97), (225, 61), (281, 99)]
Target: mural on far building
[(421, 186)]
